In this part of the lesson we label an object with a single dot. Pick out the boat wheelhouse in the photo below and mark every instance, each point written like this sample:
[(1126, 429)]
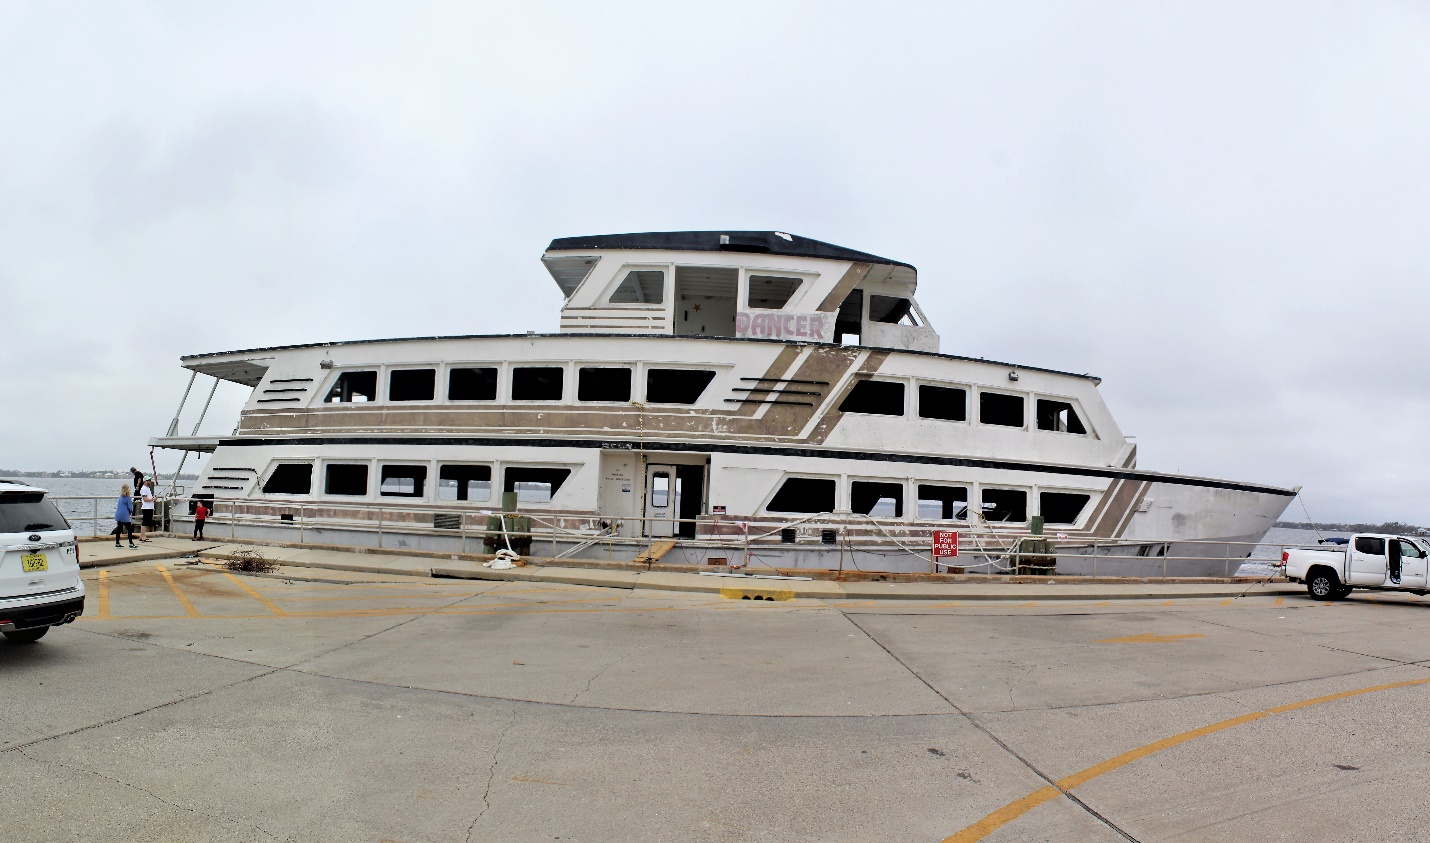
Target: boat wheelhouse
[(741, 397)]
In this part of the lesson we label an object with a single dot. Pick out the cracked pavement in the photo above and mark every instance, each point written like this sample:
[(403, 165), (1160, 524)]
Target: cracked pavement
[(372, 709)]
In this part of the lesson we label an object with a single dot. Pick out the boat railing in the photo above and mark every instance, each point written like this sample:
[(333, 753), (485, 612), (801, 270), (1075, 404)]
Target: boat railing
[(986, 547)]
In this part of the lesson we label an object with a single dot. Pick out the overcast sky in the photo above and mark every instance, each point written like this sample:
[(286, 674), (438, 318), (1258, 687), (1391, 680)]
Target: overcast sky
[(1223, 210)]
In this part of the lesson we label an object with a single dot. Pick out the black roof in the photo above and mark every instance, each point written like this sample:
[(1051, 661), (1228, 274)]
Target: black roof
[(768, 242)]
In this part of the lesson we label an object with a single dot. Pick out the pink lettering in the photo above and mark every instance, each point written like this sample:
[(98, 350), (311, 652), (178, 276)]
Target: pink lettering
[(742, 324), (801, 326)]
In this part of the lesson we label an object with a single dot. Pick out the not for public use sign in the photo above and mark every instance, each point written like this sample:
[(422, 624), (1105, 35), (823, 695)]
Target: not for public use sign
[(945, 543)]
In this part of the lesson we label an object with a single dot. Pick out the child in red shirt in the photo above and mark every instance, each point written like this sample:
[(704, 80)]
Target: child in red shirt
[(200, 513)]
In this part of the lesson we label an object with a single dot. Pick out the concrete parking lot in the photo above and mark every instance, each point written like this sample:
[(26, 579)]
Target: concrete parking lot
[(195, 704)]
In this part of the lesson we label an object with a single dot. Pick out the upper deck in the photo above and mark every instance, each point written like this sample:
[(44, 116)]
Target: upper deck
[(749, 284)]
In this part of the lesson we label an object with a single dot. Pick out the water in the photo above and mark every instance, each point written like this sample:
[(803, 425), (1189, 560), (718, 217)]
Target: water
[(80, 513)]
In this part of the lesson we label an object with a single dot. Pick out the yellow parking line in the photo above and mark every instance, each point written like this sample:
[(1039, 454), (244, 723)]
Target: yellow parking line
[(1226, 602), (103, 610), (1019, 807), (1168, 603), (267, 604), (1280, 600), (188, 606)]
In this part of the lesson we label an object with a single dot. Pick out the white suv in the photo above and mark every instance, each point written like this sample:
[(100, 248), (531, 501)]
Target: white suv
[(39, 565)]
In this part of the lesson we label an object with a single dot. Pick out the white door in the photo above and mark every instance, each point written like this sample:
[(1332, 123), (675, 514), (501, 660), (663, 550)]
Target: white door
[(1368, 563), (662, 500), (1412, 565)]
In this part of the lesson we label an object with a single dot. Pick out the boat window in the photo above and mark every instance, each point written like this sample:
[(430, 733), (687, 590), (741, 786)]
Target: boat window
[(1002, 410), (943, 503), (1370, 545), (534, 485), (1005, 505), (345, 479), (464, 483), (603, 384), (943, 402), (676, 386), (880, 500), (640, 286), (660, 490), (891, 310), (772, 292), (404, 481), (1061, 507), (472, 384), (291, 478), (804, 494), (353, 387), (849, 320), (880, 398), (537, 383), (1059, 416), (412, 385)]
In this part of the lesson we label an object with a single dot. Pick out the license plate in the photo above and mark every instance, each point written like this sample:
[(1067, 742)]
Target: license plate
[(32, 562)]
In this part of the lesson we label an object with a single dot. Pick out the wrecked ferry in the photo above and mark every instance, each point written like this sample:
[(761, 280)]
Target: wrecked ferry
[(746, 399)]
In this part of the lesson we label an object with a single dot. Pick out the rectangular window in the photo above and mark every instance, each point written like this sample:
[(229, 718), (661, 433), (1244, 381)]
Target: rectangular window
[(464, 483), (1002, 410), (345, 479), (412, 385), (404, 481), (880, 398), (943, 503), (537, 383), (534, 485), (891, 310), (603, 384), (1005, 505), (640, 286), (804, 494), (660, 490), (23, 512), (943, 402), (1061, 507), (880, 500), (291, 478), (472, 384), (772, 292), (676, 386), (1059, 416), (1370, 546), (353, 387)]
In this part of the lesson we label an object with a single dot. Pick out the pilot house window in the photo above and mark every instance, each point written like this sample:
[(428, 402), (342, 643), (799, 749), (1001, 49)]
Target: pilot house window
[(353, 387), (772, 292), (891, 310), (640, 286)]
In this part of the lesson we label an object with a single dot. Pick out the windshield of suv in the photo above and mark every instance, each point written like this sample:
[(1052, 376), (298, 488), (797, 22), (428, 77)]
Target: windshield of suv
[(28, 512)]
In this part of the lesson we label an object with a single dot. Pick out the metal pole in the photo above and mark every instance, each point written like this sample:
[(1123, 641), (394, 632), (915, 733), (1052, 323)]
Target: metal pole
[(301, 510), (1094, 558), (174, 425), (95, 519), (379, 528)]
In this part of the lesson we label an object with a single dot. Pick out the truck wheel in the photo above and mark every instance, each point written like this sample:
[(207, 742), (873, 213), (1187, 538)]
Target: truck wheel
[(1322, 585), (25, 636)]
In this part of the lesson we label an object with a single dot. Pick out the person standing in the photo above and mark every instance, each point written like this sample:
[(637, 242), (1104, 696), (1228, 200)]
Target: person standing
[(138, 478), (201, 513), (146, 505), (124, 516)]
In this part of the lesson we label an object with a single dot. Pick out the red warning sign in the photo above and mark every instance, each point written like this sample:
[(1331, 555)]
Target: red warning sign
[(945, 543)]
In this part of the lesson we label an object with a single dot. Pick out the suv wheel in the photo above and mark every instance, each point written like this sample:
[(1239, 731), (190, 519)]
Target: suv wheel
[(25, 636)]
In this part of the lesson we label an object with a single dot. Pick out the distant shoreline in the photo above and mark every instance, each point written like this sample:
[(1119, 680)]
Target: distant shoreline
[(1392, 527), (85, 475)]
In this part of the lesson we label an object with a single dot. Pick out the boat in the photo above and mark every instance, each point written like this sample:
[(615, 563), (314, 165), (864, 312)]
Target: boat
[(746, 399)]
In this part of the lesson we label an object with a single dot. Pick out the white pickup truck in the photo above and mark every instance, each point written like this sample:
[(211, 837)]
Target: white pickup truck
[(1366, 560)]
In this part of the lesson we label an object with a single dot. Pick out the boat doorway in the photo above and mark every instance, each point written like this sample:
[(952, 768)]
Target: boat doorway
[(674, 499), (705, 301)]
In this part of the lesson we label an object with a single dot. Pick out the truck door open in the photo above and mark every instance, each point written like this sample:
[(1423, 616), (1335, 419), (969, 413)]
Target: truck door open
[(1368, 562), (1412, 565)]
